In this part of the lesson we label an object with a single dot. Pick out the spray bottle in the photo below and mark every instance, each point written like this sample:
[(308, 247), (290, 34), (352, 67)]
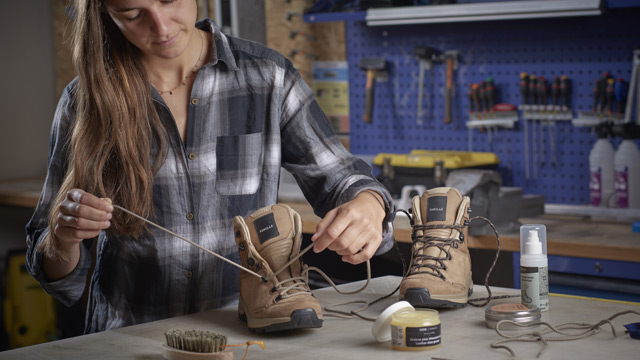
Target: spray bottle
[(534, 270), (601, 171)]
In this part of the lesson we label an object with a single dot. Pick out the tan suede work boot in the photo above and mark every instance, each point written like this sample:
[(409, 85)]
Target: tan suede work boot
[(267, 240), (440, 272)]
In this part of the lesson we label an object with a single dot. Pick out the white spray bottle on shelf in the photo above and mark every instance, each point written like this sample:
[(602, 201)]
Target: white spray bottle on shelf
[(601, 171), (534, 266)]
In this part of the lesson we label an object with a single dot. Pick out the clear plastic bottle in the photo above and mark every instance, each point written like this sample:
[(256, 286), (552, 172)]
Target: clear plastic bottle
[(601, 171), (534, 266), (627, 181)]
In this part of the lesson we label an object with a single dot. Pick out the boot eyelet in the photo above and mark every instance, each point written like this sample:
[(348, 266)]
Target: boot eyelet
[(455, 245), (461, 237), (273, 289), (466, 223), (251, 261), (258, 267), (237, 234), (469, 210), (278, 298), (241, 246)]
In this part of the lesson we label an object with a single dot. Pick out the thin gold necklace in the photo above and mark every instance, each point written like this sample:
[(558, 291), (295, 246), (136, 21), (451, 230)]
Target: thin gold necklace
[(195, 69)]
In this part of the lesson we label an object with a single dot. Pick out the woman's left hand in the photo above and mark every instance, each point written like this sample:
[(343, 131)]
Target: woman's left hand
[(353, 229)]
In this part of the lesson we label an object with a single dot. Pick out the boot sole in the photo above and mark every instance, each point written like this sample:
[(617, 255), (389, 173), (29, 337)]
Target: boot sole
[(421, 298), (300, 319)]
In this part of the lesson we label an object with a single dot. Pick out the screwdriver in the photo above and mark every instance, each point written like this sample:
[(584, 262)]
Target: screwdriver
[(483, 95), (596, 95), (603, 90), (542, 101), (533, 89), (475, 96), (524, 87), (471, 102), (564, 91), (620, 92), (524, 90), (555, 92), (542, 90), (490, 94), (610, 95)]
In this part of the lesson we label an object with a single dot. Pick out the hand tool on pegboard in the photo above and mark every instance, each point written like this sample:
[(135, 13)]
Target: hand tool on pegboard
[(620, 92), (375, 68), (555, 104), (451, 59), (426, 56), (294, 33), (533, 95), (542, 103), (524, 91), (634, 83)]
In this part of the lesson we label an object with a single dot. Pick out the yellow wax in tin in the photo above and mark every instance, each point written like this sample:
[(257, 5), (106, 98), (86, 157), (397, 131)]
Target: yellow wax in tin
[(415, 330)]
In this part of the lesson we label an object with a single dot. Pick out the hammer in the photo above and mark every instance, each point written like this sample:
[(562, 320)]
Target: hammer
[(372, 66), (451, 58), (426, 56)]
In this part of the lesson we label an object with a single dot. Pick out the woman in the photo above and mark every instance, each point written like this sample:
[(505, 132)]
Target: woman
[(188, 127)]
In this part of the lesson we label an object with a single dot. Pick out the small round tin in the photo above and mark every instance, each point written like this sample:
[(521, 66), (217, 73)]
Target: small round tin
[(518, 313)]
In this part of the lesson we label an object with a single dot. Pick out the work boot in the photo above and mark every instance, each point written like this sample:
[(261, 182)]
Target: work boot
[(267, 240), (440, 271)]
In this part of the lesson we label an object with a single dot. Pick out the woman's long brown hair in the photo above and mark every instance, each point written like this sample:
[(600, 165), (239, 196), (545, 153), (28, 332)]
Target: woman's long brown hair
[(116, 122)]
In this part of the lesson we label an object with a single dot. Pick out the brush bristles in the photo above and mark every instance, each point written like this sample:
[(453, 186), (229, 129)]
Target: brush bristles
[(195, 340)]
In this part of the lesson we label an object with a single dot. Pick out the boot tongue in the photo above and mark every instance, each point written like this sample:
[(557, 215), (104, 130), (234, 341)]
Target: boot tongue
[(440, 206), (272, 234)]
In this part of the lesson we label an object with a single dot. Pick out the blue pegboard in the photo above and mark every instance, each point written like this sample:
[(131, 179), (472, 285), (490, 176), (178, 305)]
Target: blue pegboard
[(581, 48)]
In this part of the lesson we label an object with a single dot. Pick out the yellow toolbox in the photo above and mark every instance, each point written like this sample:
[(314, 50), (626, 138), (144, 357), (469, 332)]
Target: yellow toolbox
[(427, 167), (29, 312)]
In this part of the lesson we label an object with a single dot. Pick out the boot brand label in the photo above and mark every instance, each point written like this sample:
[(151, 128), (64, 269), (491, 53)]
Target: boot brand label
[(437, 208), (266, 228)]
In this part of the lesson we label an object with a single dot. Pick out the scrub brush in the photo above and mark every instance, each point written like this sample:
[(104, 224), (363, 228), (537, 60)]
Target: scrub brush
[(196, 344)]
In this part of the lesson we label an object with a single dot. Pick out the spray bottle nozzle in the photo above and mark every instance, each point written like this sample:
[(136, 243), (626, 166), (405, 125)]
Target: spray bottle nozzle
[(533, 246)]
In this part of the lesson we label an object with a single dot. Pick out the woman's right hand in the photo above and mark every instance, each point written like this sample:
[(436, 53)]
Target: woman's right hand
[(81, 216)]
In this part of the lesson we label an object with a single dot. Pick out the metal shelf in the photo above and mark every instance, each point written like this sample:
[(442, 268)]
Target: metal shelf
[(336, 16), (483, 11)]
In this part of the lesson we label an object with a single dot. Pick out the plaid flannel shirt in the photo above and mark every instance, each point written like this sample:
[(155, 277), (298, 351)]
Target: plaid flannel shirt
[(250, 113)]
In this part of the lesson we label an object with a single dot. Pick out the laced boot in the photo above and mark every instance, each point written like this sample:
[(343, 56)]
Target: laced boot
[(440, 272), (267, 240)]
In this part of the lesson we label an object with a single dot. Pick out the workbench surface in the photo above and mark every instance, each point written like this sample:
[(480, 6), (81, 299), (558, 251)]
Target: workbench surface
[(464, 334), (574, 236), (566, 235)]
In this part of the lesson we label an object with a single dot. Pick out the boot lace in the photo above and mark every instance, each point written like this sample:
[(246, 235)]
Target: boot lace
[(423, 242)]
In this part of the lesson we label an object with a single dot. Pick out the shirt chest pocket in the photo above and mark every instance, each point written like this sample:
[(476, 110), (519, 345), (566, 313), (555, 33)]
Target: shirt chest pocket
[(239, 162)]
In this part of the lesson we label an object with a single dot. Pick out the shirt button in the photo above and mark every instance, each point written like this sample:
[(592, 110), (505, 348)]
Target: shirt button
[(189, 216), (194, 101), (188, 274), (192, 156)]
